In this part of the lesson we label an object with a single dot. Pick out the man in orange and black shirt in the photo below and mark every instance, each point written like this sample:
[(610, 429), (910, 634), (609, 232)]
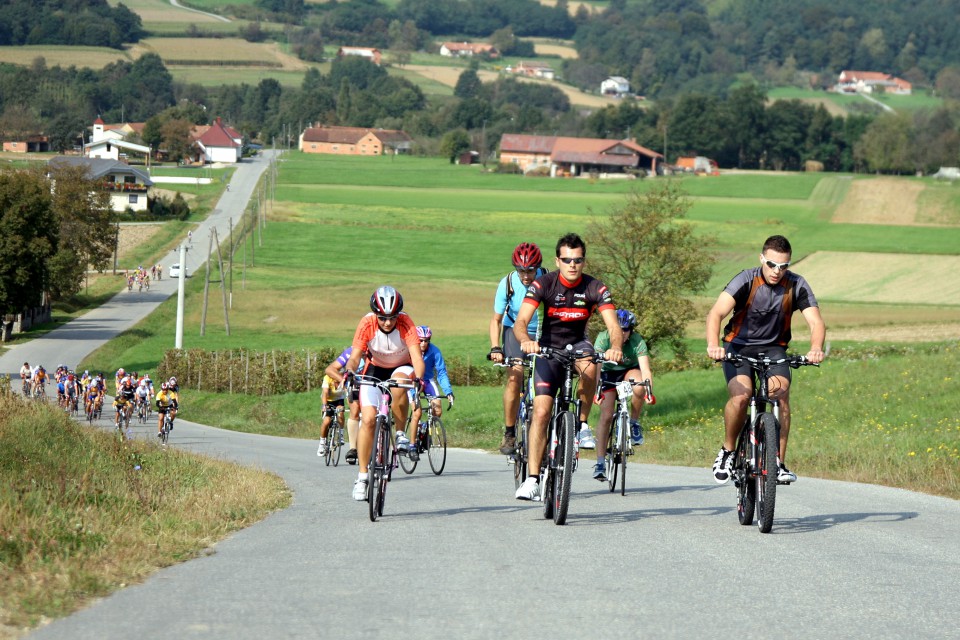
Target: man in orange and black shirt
[(569, 297), (762, 300)]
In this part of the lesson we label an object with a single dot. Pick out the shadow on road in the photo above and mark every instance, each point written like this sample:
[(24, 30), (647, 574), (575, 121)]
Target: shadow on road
[(825, 521)]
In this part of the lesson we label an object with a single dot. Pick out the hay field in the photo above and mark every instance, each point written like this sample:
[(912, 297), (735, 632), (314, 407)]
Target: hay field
[(162, 11), (882, 277), (562, 49), (213, 50), (880, 201), (63, 55)]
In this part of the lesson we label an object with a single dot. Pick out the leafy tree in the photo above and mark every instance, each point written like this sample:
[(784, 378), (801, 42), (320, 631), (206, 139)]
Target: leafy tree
[(746, 113), (885, 145), (652, 262), (83, 212), (468, 84), (359, 72), (175, 138), (454, 143), (28, 238), (788, 122)]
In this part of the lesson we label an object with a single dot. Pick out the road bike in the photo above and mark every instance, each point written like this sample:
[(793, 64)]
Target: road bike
[(524, 413), (619, 444), (758, 445), (383, 455), (26, 387), (430, 437), (334, 439), (563, 448), (166, 427), (142, 412), (122, 419)]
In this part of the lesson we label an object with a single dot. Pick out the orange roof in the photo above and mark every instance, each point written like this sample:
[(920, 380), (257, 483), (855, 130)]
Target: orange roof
[(564, 149), (351, 135)]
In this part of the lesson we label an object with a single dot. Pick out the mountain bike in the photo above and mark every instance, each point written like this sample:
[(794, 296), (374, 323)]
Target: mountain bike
[(430, 437), (525, 411), (384, 455), (758, 445), (619, 445), (334, 439), (563, 450)]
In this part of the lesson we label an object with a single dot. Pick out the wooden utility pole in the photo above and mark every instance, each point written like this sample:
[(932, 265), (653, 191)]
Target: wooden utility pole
[(206, 288), (223, 288)]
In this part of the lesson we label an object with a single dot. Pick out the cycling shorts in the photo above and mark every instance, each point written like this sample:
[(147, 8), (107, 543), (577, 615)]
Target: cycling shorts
[(331, 408), (511, 346), (774, 352), (548, 373), (369, 394)]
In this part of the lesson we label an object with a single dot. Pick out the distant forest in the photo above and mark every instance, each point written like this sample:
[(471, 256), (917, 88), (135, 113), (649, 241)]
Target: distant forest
[(72, 22)]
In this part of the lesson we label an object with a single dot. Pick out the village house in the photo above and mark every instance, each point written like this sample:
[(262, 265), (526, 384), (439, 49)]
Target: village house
[(356, 141), (28, 144), (615, 86), (128, 186), (577, 156), (533, 70), (870, 81), (109, 142), (217, 143), (468, 49), (371, 54)]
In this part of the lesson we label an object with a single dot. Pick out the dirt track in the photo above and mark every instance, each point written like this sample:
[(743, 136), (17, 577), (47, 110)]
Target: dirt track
[(880, 201)]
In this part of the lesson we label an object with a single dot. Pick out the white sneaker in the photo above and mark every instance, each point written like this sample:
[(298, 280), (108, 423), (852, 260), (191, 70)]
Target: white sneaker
[(587, 441), (723, 466), (784, 474), (529, 490), (403, 443), (322, 449), (360, 490)]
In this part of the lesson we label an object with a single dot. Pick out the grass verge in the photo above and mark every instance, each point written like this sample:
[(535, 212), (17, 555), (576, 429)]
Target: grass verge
[(78, 519)]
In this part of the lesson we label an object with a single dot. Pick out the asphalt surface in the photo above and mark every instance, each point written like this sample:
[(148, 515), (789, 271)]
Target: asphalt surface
[(456, 556)]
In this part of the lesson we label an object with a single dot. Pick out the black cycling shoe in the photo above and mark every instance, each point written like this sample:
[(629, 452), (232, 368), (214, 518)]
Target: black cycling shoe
[(351, 456)]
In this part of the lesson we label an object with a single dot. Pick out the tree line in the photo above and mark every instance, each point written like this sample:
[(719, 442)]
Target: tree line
[(75, 22)]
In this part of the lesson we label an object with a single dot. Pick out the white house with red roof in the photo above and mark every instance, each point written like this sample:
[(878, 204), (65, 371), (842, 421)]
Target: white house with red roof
[(468, 49), (870, 81), (218, 143)]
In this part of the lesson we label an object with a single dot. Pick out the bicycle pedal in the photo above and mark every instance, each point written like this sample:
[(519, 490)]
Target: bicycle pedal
[(782, 482)]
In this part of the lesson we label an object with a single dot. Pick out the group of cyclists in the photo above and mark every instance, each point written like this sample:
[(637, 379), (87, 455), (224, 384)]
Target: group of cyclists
[(131, 391), (141, 277), (535, 308)]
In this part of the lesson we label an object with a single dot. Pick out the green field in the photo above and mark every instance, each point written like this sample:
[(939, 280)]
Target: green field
[(918, 100), (443, 234)]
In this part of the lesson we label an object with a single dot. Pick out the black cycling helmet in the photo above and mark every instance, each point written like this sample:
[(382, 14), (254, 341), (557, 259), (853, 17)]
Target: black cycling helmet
[(386, 301)]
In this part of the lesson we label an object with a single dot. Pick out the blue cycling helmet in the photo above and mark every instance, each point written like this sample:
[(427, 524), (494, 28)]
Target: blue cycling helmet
[(626, 319)]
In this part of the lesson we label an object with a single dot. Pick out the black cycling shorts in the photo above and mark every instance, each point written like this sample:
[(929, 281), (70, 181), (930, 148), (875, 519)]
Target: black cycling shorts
[(774, 352), (548, 373)]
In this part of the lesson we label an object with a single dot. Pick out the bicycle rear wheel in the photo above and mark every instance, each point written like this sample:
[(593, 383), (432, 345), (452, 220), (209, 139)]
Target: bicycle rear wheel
[(378, 476), (743, 478), (563, 476), (767, 430), (408, 464), (437, 445)]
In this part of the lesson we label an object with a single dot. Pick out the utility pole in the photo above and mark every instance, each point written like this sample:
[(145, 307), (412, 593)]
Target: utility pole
[(178, 343)]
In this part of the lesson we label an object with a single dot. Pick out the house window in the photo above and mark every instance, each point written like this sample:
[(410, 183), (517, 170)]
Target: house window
[(132, 199), (129, 179), (313, 146)]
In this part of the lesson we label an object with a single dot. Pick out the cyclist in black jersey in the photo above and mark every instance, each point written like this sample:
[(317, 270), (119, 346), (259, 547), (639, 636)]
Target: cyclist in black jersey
[(569, 297)]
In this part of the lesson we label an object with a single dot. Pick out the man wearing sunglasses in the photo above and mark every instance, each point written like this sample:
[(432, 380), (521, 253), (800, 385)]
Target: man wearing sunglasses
[(503, 344), (762, 301), (569, 297)]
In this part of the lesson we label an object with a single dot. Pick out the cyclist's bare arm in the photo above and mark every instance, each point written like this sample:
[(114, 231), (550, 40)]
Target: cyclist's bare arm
[(720, 310), (333, 370), (495, 323), (818, 333), (520, 328)]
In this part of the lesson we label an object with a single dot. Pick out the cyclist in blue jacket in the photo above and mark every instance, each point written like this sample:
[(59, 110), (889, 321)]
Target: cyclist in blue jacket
[(435, 379)]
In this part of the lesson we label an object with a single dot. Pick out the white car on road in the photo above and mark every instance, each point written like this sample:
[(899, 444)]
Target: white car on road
[(175, 271)]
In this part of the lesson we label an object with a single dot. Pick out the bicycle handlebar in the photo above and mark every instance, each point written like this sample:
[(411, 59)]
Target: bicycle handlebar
[(794, 362)]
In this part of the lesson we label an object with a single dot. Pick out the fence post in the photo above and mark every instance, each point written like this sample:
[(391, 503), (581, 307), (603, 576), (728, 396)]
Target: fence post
[(308, 370), (231, 372), (246, 374)]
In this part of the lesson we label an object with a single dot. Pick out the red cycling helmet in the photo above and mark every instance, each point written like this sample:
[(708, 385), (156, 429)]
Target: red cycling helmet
[(527, 255), (386, 301)]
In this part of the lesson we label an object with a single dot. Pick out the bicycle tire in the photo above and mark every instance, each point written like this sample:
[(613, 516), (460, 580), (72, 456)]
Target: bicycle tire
[(563, 476), (408, 464), (436, 445), (610, 458), (165, 432), (377, 469), (337, 439), (328, 447), (768, 446), (520, 451), (746, 488), (624, 430)]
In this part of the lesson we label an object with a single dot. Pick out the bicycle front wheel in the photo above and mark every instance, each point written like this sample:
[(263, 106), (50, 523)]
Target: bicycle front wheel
[(563, 476), (612, 458), (437, 445), (336, 439), (767, 430), (378, 476), (743, 478), (328, 446), (520, 452), (623, 429)]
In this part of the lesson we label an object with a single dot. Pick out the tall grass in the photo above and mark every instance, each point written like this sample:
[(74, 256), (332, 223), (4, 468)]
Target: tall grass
[(82, 514)]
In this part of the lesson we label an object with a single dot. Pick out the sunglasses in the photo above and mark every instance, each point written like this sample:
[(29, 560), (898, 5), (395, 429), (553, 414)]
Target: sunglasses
[(571, 260), (526, 271), (778, 266), (385, 318)]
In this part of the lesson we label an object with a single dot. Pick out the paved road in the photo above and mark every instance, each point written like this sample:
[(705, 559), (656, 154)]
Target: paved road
[(456, 556)]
